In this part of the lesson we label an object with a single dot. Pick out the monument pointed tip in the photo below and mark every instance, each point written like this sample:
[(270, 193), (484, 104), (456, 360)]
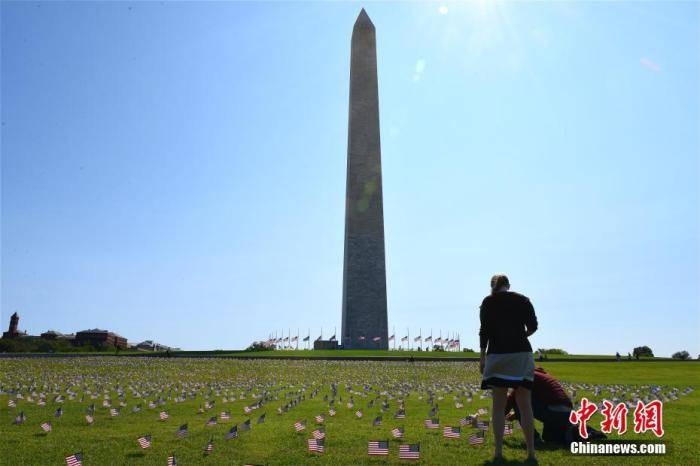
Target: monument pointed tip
[(363, 19)]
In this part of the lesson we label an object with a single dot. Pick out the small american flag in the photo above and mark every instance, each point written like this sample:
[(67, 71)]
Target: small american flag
[(316, 445), (377, 421), (211, 421), (483, 425), (144, 442), (210, 446), (172, 461), (319, 433), (482, 411), (114, 412), (477, 438), (225, 416), (261, 419), (46, 427), (400, 414), (508, 429), (331, 412), (358, 413), (397, 432), (432, 423), (299, 426), (459, 405), (181, 431), (319, 419), (89, 419), (20, 418), (233, 433), (11, 403), (164, 415), (246, 425), (409, 451), (247, 409), (378, 448), (451, 432), (59, 412), (76, 459), (469, 420)]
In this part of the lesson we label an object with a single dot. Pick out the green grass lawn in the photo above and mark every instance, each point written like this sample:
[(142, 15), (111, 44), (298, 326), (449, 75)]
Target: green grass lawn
[(113, 440)]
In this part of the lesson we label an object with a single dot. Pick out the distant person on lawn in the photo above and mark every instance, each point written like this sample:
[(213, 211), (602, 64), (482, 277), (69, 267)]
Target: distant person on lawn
[(551, 406), (507, 319)]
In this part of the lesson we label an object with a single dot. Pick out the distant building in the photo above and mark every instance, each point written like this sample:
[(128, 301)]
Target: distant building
[(51, 335), (97, 336), (326, 345), (55, 335), (150, 345), (13, 331)]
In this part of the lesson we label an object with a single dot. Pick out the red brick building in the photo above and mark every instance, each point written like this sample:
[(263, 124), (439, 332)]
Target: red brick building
[(96, 337)]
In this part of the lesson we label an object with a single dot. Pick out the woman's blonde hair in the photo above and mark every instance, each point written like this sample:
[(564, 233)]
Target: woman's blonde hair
[(498, 282)]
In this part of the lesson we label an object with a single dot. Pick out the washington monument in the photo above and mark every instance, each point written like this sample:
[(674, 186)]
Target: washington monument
[(364, 272)]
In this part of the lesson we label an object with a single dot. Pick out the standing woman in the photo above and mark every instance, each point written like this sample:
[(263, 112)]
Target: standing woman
[(507, 319)]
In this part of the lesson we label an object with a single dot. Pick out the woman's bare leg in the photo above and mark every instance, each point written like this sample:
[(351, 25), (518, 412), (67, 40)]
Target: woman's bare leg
[(498, 418), (523, 397)]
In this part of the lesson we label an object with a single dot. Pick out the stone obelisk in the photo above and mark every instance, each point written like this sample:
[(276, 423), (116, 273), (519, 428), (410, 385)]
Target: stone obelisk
[(364, 272)]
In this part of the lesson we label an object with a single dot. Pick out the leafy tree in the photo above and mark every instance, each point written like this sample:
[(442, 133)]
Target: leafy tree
[(682, 355), (642, 351)]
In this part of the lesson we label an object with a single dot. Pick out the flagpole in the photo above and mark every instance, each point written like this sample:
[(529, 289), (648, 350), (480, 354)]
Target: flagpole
[(297, 339), (393, 330), (408, 334)]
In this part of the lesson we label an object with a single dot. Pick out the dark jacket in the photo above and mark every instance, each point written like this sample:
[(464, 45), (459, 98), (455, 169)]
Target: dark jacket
[(507, 319)]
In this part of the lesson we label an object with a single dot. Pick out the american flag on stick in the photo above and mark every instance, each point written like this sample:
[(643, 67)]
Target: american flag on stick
[(378, 448), (316, 445), (225, 416), (400, 414), (358, 413), (181, 431), (59, 412), (20, 418), (477, 438), (261, 419), (76, 459), (246, 425), (300, 426), (144, 442), (451, 432), (233, 433), (164, 415), (409, 451), (319, 419), (432, 423), (211, 421), (89, 419), (210, 446), (508, 429), (468, 420), (11, 403), (331, 412), (172, 461), (114, 412), (319, 433), (377, 421), (46, 427)]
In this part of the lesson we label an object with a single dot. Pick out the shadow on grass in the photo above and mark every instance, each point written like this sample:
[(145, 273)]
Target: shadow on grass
[(504, 461), (138, 454)]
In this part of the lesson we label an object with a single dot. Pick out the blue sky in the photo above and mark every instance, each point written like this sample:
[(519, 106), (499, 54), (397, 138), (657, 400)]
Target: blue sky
[(176, 171)]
